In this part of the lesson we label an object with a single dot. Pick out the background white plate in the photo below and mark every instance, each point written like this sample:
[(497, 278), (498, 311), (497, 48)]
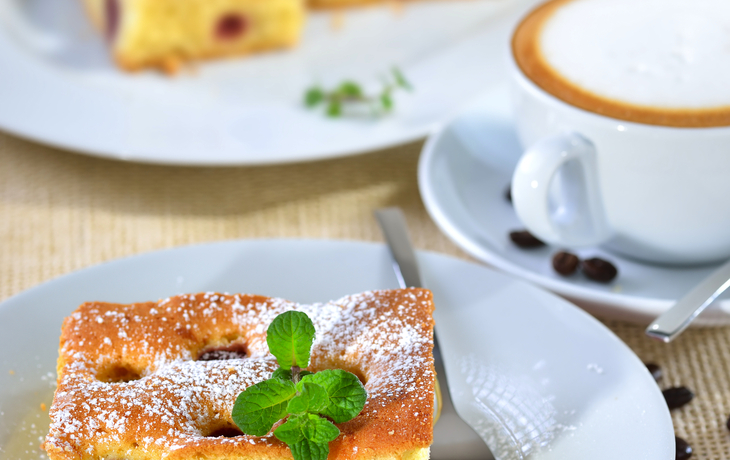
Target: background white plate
[(542, 379), (464, 171), (58, 85)]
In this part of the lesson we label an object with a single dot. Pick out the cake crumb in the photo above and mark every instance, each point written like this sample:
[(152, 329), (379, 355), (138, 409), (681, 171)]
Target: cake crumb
[(337, 20), (11, 372), (397, 7), (43, 407)]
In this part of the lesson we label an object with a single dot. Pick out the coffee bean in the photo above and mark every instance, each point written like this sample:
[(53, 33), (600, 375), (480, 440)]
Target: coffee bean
[(508, 194), (599, 269), (684, 450), (565, 263), (677, 396), (524, 239), (655, 371)]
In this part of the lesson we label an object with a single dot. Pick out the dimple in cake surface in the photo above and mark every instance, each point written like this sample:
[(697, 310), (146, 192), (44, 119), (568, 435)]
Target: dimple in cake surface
[(131, 384)]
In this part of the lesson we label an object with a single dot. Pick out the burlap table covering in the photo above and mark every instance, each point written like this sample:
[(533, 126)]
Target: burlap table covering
[(61, 211)]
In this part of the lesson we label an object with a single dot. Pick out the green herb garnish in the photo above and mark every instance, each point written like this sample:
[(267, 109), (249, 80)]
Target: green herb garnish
[(349, 97), (302, 397)]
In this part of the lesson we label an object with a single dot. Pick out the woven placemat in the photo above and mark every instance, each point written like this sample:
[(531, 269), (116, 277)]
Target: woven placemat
[(61, 211)]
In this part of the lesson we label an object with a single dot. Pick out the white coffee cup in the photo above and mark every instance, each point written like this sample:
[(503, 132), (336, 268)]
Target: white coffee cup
[(656, 193)]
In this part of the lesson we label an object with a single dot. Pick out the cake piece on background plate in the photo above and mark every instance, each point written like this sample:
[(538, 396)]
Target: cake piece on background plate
[(164, 34)]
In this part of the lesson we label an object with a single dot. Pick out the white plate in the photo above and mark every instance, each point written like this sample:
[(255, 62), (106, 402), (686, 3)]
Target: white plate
[(539, 376), (59, 87), (465, 169)]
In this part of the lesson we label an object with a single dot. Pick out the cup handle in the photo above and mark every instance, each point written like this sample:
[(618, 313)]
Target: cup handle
[(556, 194)]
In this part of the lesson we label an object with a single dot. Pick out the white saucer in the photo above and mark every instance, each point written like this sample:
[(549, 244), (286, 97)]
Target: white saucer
[(539, 378), (464, 171), (58, 85)]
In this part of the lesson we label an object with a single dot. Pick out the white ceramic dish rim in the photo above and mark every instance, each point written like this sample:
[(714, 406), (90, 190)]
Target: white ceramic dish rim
[(74, 141), (621, 351), (634, 308), (55, 107)]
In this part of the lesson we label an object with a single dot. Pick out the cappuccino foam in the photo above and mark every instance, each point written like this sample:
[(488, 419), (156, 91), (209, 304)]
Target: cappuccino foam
[(663, 62)]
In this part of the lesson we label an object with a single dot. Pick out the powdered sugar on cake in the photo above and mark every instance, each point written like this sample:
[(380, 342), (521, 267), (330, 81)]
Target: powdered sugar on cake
[(129, 381)]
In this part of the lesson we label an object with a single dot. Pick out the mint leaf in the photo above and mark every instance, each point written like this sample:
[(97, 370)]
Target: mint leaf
[(400, 80), (308, 450), (282, 374), (346, 394), (334, 109), (319, 430), (307, 426), (290, 431), (386, 101), (311, 398), (260, 406), (350, 89), (313, 96), (290, 338)]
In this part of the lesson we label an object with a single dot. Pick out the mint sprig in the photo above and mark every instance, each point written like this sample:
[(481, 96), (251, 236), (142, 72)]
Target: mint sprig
[(301, 397), (349, 98)]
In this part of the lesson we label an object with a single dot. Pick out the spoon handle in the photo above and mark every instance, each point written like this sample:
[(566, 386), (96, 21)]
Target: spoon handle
[(672, 322)]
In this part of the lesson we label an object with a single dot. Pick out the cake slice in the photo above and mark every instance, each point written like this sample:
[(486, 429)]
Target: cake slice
[(166, 33), (159, 379), (341, 4)]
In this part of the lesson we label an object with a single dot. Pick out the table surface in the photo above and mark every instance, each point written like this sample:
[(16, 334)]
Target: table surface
[(60, 211)]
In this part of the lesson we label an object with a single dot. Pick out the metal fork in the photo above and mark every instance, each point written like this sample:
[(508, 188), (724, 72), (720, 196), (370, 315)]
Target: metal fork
[(393, 224)]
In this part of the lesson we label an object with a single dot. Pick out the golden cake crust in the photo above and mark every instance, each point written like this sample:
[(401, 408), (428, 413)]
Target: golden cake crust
[(165, 34), (130, 384)]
